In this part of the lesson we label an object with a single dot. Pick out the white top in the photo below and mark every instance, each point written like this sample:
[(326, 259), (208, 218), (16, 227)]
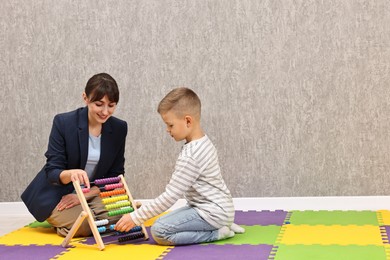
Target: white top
[(198, 178), (93, 155)]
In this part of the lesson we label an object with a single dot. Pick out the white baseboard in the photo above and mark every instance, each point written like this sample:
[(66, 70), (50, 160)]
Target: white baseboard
[(13, 209), (308, 203), (314, 203), (266, 203)]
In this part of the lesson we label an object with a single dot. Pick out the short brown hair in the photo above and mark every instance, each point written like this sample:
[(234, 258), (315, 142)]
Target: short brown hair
[(183, 101), (100, 85)]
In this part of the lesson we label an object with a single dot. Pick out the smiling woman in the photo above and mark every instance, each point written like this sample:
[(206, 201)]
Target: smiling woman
[(85, 144), (101, 96), (98, 113)]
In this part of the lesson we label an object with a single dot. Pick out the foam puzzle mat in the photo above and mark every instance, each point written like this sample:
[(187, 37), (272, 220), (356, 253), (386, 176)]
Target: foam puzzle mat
[(269, 235)]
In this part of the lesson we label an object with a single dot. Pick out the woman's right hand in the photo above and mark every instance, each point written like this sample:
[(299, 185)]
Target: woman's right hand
[(75, 175)]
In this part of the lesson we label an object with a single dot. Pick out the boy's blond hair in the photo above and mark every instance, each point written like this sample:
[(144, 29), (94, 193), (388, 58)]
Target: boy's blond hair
[(182, 101)]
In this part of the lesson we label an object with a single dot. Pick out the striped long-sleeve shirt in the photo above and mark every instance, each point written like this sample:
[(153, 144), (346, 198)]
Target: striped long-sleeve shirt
[(197, 178)]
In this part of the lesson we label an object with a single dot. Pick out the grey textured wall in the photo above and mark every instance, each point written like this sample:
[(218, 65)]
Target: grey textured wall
[(295, 93)]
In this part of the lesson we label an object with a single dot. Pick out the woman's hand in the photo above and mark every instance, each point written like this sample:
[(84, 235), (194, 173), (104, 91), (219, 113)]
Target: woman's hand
[(75, 175), (125, 223), (68, 201)]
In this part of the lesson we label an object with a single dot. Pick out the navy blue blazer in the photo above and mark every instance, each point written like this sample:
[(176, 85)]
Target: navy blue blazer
[(68, 149)]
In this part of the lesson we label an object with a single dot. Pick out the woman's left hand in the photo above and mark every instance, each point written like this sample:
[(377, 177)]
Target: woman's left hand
[(68, 201)]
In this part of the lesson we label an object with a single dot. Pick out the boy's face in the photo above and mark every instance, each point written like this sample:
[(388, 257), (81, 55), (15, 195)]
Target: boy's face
[(177, 127)]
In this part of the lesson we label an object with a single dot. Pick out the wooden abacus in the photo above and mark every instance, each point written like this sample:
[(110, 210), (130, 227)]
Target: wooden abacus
[(117, 200)]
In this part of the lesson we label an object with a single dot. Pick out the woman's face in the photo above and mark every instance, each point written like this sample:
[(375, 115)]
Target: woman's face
[(99, 111)]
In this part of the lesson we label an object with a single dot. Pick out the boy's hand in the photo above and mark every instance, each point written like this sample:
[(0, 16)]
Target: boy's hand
[(125, 223)]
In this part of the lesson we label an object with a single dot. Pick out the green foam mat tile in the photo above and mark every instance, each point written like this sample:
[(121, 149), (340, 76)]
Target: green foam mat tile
[(323, 217), (254, 235), (37, 224)]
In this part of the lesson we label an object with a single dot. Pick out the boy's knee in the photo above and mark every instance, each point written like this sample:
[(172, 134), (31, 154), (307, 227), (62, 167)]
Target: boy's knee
[(160, 234), (157, 230)]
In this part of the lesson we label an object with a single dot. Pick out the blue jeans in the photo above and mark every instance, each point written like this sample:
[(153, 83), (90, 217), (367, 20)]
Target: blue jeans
[(181, 227)]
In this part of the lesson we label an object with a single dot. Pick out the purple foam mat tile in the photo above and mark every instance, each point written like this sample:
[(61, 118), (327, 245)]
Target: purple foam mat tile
[(386, 239), (263, 218), (217, 252), (31, 252)]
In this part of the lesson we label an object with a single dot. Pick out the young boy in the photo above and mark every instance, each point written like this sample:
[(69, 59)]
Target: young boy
[(209, 213)]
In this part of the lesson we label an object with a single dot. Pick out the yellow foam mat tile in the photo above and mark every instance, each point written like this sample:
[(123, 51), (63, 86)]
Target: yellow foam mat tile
[(82, 251), (331, 235), (151, 221), (29, 236), (385, 217)]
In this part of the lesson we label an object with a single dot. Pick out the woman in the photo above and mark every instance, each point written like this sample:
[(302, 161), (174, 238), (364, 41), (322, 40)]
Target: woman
[(85, 144)]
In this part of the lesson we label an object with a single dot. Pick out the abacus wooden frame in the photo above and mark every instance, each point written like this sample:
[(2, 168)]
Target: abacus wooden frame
[(87, 213)]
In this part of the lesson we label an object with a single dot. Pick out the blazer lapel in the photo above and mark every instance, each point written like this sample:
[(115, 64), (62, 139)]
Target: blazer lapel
[(105, 148), (83, 136)]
